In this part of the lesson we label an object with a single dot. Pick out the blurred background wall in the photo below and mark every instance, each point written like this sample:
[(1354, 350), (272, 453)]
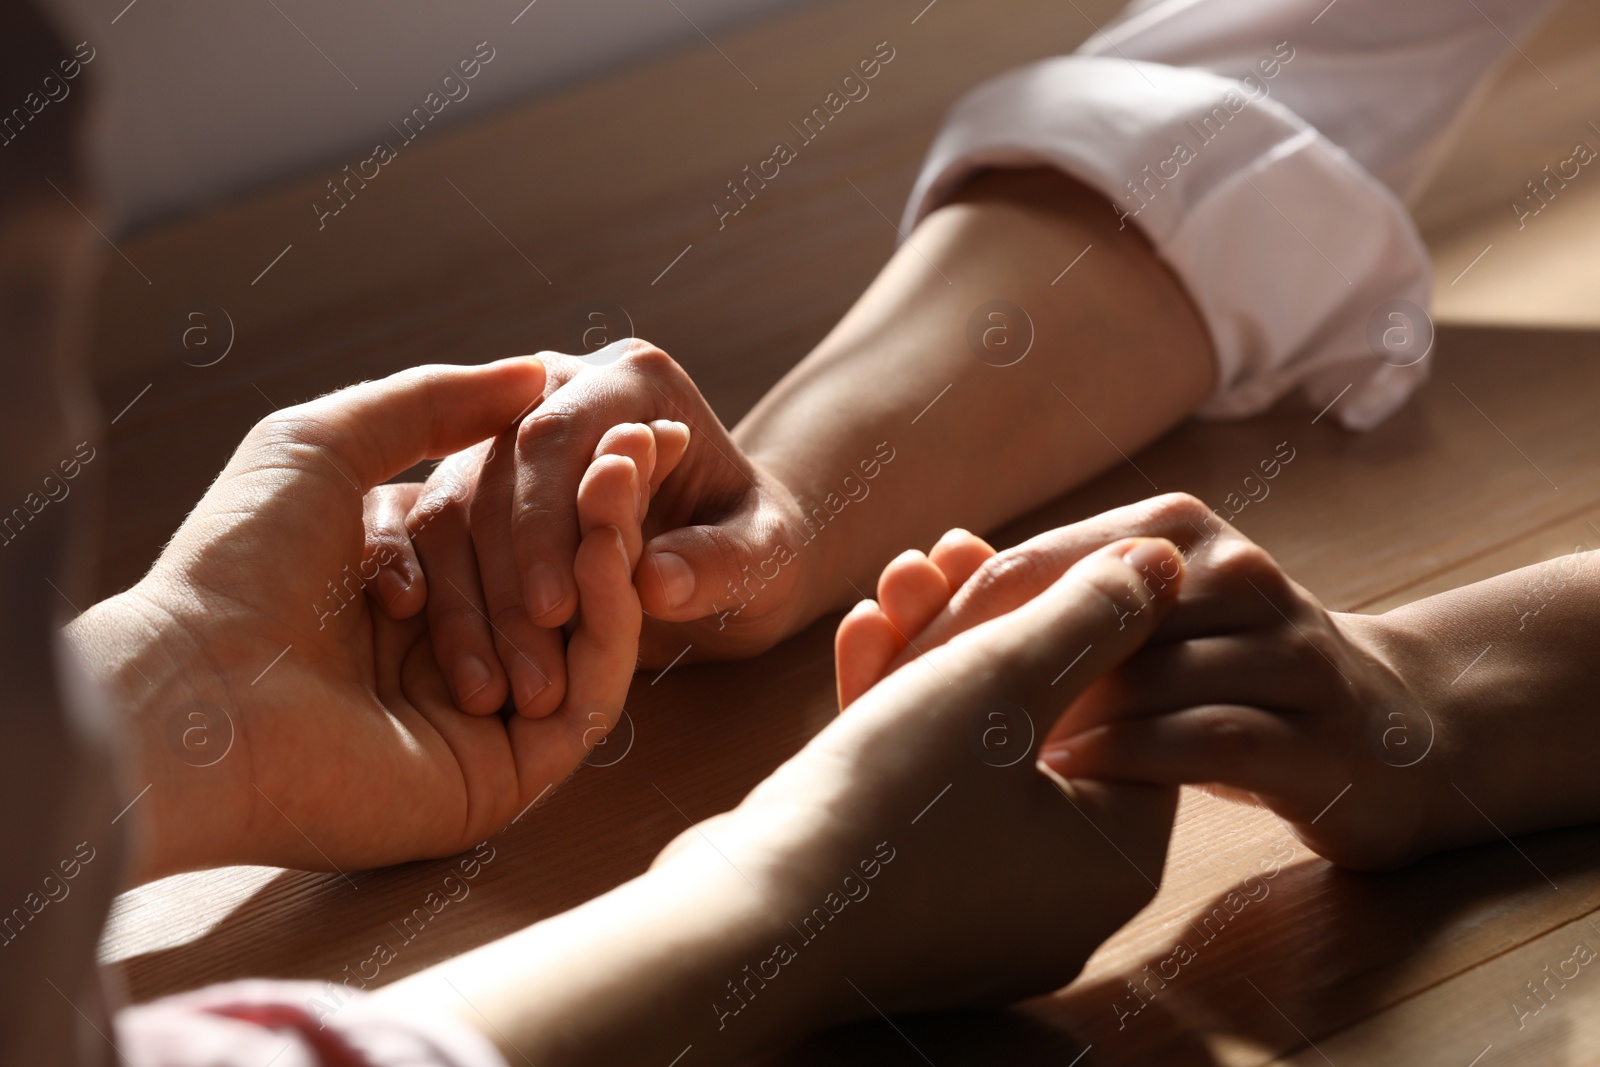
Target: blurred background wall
[(210, 99), (198, 111)]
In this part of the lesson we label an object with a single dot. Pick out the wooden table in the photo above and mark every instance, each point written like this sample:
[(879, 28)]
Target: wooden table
[(500, 238)]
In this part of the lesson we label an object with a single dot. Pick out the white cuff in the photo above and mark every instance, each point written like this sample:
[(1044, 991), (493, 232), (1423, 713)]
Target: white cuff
[(1288, 247)]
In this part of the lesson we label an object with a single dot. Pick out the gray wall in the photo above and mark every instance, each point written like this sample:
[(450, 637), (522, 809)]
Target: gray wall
[(207, 99)]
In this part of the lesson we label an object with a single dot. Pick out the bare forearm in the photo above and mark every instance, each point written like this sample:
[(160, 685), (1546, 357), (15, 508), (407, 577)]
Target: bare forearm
[(1115, 355), (1508, 670), (665, 962)]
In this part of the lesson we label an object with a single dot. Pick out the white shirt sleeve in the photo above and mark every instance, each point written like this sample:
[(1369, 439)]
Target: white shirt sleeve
[(1266, 148)]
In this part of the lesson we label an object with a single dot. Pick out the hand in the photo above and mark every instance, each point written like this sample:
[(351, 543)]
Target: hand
[(1250, 686), (912, 590), (904, 859), (496, 533), (923, 792), (281, 721)]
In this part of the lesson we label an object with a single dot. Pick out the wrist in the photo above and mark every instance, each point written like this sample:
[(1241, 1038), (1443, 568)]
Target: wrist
[(1511, 691), (1429, 765), (836, 552), (156, 680), (673, 958), (762, 982)]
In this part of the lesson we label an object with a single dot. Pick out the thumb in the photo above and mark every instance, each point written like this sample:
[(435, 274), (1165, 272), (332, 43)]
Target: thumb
[(374, 431), (1044, 654), (738, 567)]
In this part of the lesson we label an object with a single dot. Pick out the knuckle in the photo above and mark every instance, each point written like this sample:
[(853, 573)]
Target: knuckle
[(725, 557), (535, 526), (642, 357), (1183, 504), (1243, 560), (386, 530), (560, 368), (439, 511), (1179, 508), (455, 617), (447, 484), (284, 426), (1014, 572), (1226, 735), (548, 424), (1317, 649), (507, 620), (1188, 520)]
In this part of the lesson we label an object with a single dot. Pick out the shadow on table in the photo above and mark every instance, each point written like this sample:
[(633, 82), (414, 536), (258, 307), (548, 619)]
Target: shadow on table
[(600, 829), (1328, 948)]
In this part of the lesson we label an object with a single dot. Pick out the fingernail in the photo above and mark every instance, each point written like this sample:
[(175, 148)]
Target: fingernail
[(392, 585), (676, 578), (544, 589), (622, 547), (526, 684), (472, 674), (1151, 554), (1056, 758)]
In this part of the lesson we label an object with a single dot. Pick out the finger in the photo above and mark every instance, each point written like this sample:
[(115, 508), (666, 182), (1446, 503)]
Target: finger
[(1263, 669), (1242, 747), (672, 442), (1012, 578), (533, 656), (602, 651), (634, 442), (476, 742), (458, 621), (739, 562), (1213, 600), (862, 648), (609, 495), (1094, 617), (553, 447), (605, 646), (959, 554), (911, 591), (914, 589), (374, 431), (397, 584)]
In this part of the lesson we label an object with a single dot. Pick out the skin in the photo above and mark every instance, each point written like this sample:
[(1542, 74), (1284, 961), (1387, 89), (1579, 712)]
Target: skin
[(627, 975), (1119, 357), (352, 721), (640, 973), (1254, 689), (273, 728), (410, 524), (640, 969)]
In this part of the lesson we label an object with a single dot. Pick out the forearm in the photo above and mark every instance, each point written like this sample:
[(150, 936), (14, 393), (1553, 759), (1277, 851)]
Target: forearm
[(1507, 670), (1118, 355), (663, 962)]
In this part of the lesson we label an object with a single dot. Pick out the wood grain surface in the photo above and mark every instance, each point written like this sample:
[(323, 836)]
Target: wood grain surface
[(502, 237)]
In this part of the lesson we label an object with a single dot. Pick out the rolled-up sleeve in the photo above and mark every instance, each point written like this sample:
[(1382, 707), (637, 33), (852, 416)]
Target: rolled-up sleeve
[(1267, 151)]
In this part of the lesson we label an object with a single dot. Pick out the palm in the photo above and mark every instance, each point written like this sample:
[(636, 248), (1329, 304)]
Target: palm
[(345, 749)]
